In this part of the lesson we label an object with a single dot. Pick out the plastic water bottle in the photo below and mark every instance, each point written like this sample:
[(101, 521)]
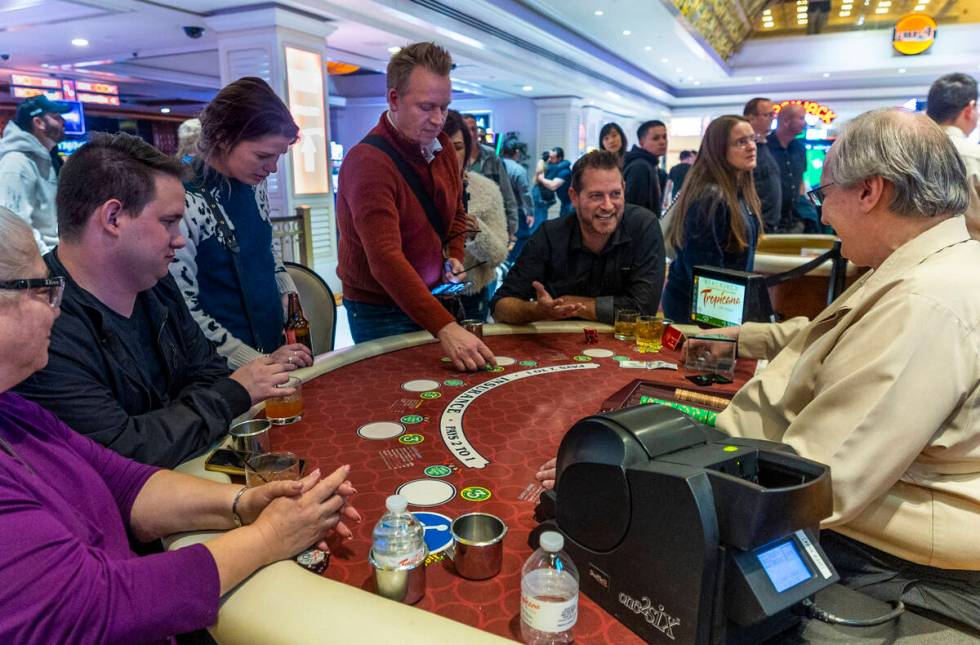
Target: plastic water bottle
[(549, 593), (399, 538)]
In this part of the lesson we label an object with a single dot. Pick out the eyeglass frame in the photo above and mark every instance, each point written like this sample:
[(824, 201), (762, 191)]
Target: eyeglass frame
[(745, 141), (55, 285), (816, 194)]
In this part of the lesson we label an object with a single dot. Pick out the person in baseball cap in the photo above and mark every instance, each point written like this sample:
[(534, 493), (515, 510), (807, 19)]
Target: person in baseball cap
[(29, 165)]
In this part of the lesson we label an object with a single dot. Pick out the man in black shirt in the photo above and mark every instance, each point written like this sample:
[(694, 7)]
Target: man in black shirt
[(645, 179), (790, 155), (609, 256), (679, 172), (768, 183), (128, 365)]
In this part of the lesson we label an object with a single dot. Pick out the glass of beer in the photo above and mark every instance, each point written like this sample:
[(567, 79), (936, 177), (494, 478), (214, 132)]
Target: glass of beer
[(650, 333), (271, 467), (625, 324), (282, 410)]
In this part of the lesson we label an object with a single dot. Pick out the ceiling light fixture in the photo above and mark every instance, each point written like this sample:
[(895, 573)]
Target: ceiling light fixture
[(758, 78), (648, 48), (627, 32), (164, 110), (527, 88), (844, 14), (394, 50), (697, 82), (678, 69), (901, 70), (598, 12), (613, 95), (664, 60), (826, 74), (79, 42), (919, 7)]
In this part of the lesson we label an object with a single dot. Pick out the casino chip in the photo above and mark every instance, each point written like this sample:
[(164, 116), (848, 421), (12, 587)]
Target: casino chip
[(582, 358), (529, 363), (596, 352), (427, 492), (504, 361)]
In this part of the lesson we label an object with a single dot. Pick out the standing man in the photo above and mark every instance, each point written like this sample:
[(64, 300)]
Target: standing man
[(676, 175), (487, 163), (398, 243), (29, 165), (510, 155), (556, 177), (790, 155), (952, 103), (641, 167), (768, 183), (609, 256)]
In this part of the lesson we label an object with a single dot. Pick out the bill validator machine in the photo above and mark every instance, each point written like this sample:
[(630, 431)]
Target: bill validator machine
[(687, 535)]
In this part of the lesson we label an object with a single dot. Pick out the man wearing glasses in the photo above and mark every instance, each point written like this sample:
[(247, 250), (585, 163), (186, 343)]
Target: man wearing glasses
[(768, 184), (400, 213), (884, 385), (128, 366)]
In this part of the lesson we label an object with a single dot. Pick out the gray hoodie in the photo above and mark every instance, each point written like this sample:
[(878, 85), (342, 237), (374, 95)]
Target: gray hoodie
[(28, 183)]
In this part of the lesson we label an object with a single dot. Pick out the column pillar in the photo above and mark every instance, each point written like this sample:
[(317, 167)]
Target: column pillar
[(561, 123), (287, 49)]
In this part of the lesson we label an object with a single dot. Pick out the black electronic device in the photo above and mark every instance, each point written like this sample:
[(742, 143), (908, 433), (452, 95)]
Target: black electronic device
[(225, 461), (724, 297), (687, 535)]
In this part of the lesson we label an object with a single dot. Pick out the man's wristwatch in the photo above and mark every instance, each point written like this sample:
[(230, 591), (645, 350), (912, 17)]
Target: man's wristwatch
[(234, 506)]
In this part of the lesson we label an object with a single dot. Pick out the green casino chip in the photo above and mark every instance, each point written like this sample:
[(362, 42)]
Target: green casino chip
[(621, 358), (438, 471), (494, 368), (582, 358), (454, 382), (411, 419), (475, 494), (529, 363)]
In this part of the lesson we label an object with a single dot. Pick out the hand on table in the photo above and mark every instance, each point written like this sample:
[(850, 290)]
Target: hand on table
[(546, 473), (453, 271), (549, 308), (261, 378), (293, 356), (467, 352), (290, 524)]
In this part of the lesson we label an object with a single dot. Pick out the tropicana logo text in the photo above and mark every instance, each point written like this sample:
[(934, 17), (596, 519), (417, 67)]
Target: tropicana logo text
[(719, 298)]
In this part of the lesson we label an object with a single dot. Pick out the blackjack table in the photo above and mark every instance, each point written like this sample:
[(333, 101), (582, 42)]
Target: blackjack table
[(452, 443)]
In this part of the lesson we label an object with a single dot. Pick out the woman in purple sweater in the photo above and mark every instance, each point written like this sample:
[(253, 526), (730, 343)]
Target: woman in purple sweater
[(66, 503)]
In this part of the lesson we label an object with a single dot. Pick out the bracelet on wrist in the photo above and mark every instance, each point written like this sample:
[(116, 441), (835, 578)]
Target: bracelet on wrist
[(234, 506)]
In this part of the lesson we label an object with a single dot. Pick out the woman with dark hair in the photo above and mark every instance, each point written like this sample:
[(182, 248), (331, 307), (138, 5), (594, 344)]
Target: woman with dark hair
[(613, 139), (234, 285), (486, 221), (716, 216)]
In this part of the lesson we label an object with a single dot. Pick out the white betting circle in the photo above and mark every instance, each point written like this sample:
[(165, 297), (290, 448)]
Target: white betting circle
[(427, 492), (504, 361), (596, 352), (420, 385), (380, 430)]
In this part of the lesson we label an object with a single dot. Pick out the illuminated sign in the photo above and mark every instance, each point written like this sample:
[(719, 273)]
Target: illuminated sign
[(99, 99), (914, 34), (304, 81), (35, 81), (28, 92), (68, 90), (818, 110), (98, 88)]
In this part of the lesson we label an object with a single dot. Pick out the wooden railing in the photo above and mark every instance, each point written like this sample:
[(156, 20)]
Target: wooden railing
[(292, 240)]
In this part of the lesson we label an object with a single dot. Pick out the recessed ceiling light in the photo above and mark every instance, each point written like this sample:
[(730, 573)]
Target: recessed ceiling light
[(678, 69), (598, 12), (697, 82), (758, 78), (690, 78), (627, 32), (527, 88), (901, 70), (919, 7), (844, 14), (648, 48), (164, 110), (664, 60), (79, 42), (613, 95), (826, 74), (881, 10), (394, 50)]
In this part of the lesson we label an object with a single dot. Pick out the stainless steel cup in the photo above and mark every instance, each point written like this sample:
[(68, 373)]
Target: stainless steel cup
[(251, 436), (479, 548), (402, 584), (473, 326)]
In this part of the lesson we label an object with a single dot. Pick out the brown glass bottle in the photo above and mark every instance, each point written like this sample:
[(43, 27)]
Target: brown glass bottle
[(297, 326)]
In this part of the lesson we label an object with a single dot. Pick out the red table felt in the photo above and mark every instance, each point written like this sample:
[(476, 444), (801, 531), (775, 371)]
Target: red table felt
[(516, 427)]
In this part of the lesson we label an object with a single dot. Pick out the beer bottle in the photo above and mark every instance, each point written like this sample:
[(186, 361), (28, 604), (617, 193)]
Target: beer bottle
[(297, 326)]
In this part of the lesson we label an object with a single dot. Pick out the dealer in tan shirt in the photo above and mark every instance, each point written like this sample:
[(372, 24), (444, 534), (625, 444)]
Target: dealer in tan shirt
[(883, 385)]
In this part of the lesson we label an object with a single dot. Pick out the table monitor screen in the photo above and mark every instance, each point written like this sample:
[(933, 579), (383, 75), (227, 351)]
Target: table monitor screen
[(784, 566), (717, 302)]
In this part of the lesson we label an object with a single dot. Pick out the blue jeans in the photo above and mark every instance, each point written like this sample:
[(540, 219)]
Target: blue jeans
[(524, 232), (368, 322)]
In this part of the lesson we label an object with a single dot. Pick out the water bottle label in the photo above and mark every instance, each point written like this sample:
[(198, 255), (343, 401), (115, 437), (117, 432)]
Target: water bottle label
[(549, 616)]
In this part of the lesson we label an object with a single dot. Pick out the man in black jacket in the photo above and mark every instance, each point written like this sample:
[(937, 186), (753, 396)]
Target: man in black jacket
[(645, 180), (129, 366)]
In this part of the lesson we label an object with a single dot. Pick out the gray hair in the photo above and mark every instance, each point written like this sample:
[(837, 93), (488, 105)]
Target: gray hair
[(18, 250), (909, 151)]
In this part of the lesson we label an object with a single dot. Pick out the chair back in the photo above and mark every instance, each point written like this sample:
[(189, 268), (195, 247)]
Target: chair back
[(319, 305)]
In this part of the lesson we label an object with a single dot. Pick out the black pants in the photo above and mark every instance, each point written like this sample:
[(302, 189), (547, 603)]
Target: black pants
[(952, 593)]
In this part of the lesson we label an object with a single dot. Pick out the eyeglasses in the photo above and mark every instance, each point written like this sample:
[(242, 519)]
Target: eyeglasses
[(743, 142), (818, 194), (51, 289)]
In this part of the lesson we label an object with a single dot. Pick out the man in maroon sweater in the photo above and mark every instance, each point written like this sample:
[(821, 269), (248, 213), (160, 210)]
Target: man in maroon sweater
[(391, 255)]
